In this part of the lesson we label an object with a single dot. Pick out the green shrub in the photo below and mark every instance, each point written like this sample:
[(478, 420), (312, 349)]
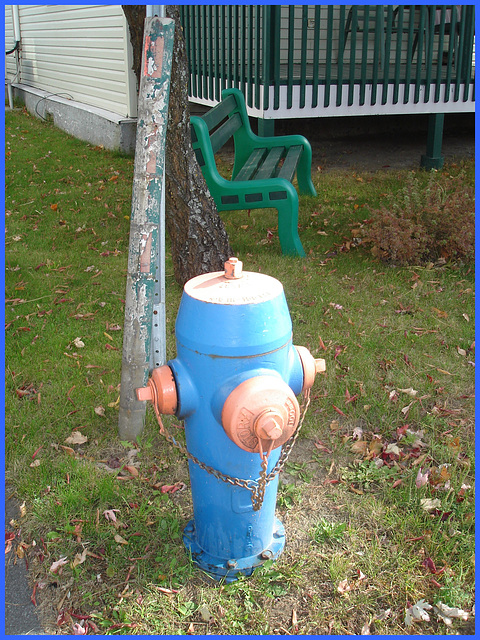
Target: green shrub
[(425, 221)]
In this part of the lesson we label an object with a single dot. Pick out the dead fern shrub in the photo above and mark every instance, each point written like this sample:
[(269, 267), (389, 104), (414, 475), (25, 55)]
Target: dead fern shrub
[(426, 221)]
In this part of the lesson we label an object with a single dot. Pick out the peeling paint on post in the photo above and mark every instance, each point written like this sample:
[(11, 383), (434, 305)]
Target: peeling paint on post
[(145, 227)]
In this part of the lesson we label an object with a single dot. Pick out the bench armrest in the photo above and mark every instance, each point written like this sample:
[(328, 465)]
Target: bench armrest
[(246, 141)]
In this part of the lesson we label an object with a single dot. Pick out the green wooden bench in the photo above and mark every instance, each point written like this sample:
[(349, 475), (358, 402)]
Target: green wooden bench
[(263, 169)]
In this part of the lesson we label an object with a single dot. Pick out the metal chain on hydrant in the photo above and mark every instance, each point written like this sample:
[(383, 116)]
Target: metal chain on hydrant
[(256, 487)]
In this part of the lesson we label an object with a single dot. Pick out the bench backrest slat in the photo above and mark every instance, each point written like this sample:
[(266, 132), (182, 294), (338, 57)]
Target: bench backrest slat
[(213, 117), (219, 137)]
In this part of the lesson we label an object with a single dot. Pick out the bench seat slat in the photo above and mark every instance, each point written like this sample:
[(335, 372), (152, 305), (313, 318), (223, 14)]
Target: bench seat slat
[(225, 132), (213, 117), (251, 165), (269, 165), (287, 170)]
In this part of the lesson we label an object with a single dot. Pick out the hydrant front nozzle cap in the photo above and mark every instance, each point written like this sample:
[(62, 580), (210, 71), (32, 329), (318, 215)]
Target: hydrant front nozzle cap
[(320, 366)]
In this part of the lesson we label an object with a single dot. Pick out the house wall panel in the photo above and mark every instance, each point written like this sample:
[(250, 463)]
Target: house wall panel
[(80, 50)]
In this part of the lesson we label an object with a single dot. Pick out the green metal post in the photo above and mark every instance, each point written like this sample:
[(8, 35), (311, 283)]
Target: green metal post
[(433, 158), (316, 57), (328, 56), (271, 24), (146, 230), (290, 54), (266, 127), (303, 61)]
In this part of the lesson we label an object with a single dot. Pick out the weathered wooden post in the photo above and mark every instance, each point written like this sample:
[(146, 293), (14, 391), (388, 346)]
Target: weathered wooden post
[(146, 230)]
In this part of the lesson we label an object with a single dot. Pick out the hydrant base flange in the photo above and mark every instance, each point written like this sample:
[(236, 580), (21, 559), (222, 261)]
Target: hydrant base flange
[(229, 569)]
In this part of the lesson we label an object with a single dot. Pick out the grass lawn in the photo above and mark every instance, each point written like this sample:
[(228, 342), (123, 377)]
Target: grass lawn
[(377, 497)]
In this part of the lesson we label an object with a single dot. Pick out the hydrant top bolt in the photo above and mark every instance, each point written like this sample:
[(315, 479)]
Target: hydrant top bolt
[(233, 269)]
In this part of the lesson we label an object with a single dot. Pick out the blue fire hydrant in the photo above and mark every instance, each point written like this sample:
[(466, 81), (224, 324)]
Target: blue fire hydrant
[(234, 382)]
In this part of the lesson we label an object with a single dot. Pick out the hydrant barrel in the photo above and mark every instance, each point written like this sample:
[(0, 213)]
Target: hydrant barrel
[(236, 376)]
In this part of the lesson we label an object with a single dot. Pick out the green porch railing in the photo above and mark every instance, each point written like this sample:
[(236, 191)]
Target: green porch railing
[(308, 58)]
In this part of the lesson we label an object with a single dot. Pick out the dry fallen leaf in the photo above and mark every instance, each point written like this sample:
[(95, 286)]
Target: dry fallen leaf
[(100, 411), (165, 590), (430, 504), (446, 613), (79, 558), (393, 448), (406, 409), (422, 478), (393, 396), (204, 611), (365, 629), (172, 488), (410, 392), (131, 470), (59, 563), (344, 586), (76, 438), (359, 446), (68, 450), (357, 433), (78, 630), (119, 539), (294, 620), (78, 343), (417, 612), (110, 514)]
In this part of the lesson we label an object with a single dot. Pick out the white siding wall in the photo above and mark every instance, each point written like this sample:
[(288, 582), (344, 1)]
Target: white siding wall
[(77, 51)]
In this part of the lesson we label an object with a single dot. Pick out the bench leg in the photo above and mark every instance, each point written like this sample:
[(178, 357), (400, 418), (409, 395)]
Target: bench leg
[(288, 228), (304, 174)]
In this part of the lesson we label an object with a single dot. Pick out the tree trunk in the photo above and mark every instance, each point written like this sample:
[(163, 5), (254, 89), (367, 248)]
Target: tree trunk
[(199, 241), (135, 15)]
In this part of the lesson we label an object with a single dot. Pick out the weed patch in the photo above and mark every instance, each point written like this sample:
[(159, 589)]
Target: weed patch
[(425, 220)]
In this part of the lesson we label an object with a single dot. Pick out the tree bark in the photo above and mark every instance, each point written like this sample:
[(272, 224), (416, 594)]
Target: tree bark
[(199, 241), (135, 15)]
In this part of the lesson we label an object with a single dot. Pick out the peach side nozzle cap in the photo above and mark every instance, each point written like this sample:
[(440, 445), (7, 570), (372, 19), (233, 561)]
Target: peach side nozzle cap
[(161, 389)]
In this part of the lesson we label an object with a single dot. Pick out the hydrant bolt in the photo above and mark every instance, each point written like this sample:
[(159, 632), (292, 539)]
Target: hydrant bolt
[(269, 426), (233, 269), (144, 394), (320, 365)]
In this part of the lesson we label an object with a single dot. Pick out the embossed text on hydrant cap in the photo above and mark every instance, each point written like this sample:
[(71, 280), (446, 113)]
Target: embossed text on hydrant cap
[(252, 288)]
